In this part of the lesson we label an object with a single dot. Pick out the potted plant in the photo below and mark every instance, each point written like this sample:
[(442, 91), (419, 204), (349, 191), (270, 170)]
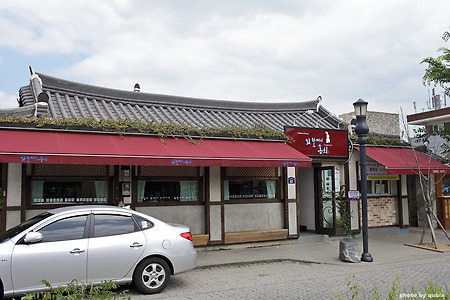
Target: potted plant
[(345, 219), (343, 222)]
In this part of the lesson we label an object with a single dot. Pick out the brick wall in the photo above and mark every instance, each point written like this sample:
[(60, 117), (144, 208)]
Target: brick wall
[(381, 211)]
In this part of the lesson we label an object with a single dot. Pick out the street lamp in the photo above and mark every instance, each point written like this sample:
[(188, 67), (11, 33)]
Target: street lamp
[(362, 130)]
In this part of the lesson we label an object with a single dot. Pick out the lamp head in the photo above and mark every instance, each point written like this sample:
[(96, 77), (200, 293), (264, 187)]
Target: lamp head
[(360, 107)]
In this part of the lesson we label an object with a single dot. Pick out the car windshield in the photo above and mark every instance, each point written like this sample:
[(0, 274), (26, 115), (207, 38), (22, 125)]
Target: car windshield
[(22, 226)]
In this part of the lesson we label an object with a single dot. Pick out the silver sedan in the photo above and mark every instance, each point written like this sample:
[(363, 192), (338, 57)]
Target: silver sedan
[(93, 244)]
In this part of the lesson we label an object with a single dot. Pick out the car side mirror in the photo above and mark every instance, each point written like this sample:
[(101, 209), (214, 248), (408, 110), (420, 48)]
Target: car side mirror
[(33, 237)]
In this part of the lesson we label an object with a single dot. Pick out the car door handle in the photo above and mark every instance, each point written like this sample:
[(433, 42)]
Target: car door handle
[(76, 251), (136, 245)]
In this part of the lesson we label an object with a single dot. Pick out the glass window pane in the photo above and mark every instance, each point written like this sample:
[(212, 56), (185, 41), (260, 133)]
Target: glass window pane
[(53, 191), (143, 223), (370, 185), (22, 226), (188, 190), (379, 187), (385, 184), (250, 189), (446, 186), (162, 191), (65, 229), (106, 225)]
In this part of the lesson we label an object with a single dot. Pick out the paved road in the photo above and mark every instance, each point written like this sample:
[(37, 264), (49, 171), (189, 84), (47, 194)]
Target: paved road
[(297, 280)]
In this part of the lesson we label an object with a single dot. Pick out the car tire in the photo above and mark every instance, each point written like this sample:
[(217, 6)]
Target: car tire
[(151, 275)]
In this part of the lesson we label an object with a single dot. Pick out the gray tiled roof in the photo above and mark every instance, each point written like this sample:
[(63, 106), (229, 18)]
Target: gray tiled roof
[(65, 99)]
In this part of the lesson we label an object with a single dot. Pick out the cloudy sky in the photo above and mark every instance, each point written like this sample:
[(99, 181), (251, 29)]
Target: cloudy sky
[(253, 50)]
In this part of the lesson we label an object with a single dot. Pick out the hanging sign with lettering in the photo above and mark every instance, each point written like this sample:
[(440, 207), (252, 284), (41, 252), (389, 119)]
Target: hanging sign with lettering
[(376, 171), (319, 142)]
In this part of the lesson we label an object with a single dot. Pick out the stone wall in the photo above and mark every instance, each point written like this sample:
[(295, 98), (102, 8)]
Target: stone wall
[(378, 122), (383, 123)]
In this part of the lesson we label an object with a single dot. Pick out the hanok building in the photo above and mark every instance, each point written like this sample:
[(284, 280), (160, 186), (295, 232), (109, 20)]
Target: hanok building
[(227, 187), (232, 171)]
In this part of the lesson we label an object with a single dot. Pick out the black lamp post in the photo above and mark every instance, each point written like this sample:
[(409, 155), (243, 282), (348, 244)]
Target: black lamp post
[(362, 130)]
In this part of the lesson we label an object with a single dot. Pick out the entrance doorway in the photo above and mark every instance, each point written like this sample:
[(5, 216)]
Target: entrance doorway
[(412, 201), (325, 200)]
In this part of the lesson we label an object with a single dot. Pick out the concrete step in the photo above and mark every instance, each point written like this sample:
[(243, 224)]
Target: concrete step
[(307, 237)]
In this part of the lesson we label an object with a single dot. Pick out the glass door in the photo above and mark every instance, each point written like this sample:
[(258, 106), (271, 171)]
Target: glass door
[(325, 200)]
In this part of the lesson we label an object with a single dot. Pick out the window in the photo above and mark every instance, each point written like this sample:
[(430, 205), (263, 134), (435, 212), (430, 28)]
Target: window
[(173, 190), (107, 225), (378, 187), (67, 192), (249, 189), (65, 229), (242, 183), (438, 127), (143, 223), (22, 226), (446, 186)]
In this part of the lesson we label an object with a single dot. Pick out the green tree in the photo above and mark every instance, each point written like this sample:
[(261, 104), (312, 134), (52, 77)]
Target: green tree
[(438, 71)]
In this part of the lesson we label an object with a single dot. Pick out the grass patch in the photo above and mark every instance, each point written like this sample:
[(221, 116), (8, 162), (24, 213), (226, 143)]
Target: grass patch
[(160, 129)]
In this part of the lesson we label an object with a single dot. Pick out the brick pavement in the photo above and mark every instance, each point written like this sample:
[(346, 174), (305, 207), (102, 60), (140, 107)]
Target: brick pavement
[(226, 274)]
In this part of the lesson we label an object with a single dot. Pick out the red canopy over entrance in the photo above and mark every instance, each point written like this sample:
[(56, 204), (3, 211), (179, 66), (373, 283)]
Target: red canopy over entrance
[(34, 146), (405, 161)]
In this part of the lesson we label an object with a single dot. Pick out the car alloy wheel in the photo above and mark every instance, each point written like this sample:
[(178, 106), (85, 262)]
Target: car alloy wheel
[(151, 275)]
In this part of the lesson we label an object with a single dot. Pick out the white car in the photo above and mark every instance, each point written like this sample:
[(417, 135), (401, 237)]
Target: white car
[(93, 244)]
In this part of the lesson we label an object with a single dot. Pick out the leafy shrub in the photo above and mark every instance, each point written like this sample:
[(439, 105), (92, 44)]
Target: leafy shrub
[(76, 290)]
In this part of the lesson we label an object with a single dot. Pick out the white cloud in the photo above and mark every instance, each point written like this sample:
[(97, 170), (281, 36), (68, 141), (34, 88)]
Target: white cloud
[(253, 50), (7, 101)]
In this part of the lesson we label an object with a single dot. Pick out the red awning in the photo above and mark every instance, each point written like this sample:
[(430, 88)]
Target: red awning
[(405, 161), (33, 146)]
